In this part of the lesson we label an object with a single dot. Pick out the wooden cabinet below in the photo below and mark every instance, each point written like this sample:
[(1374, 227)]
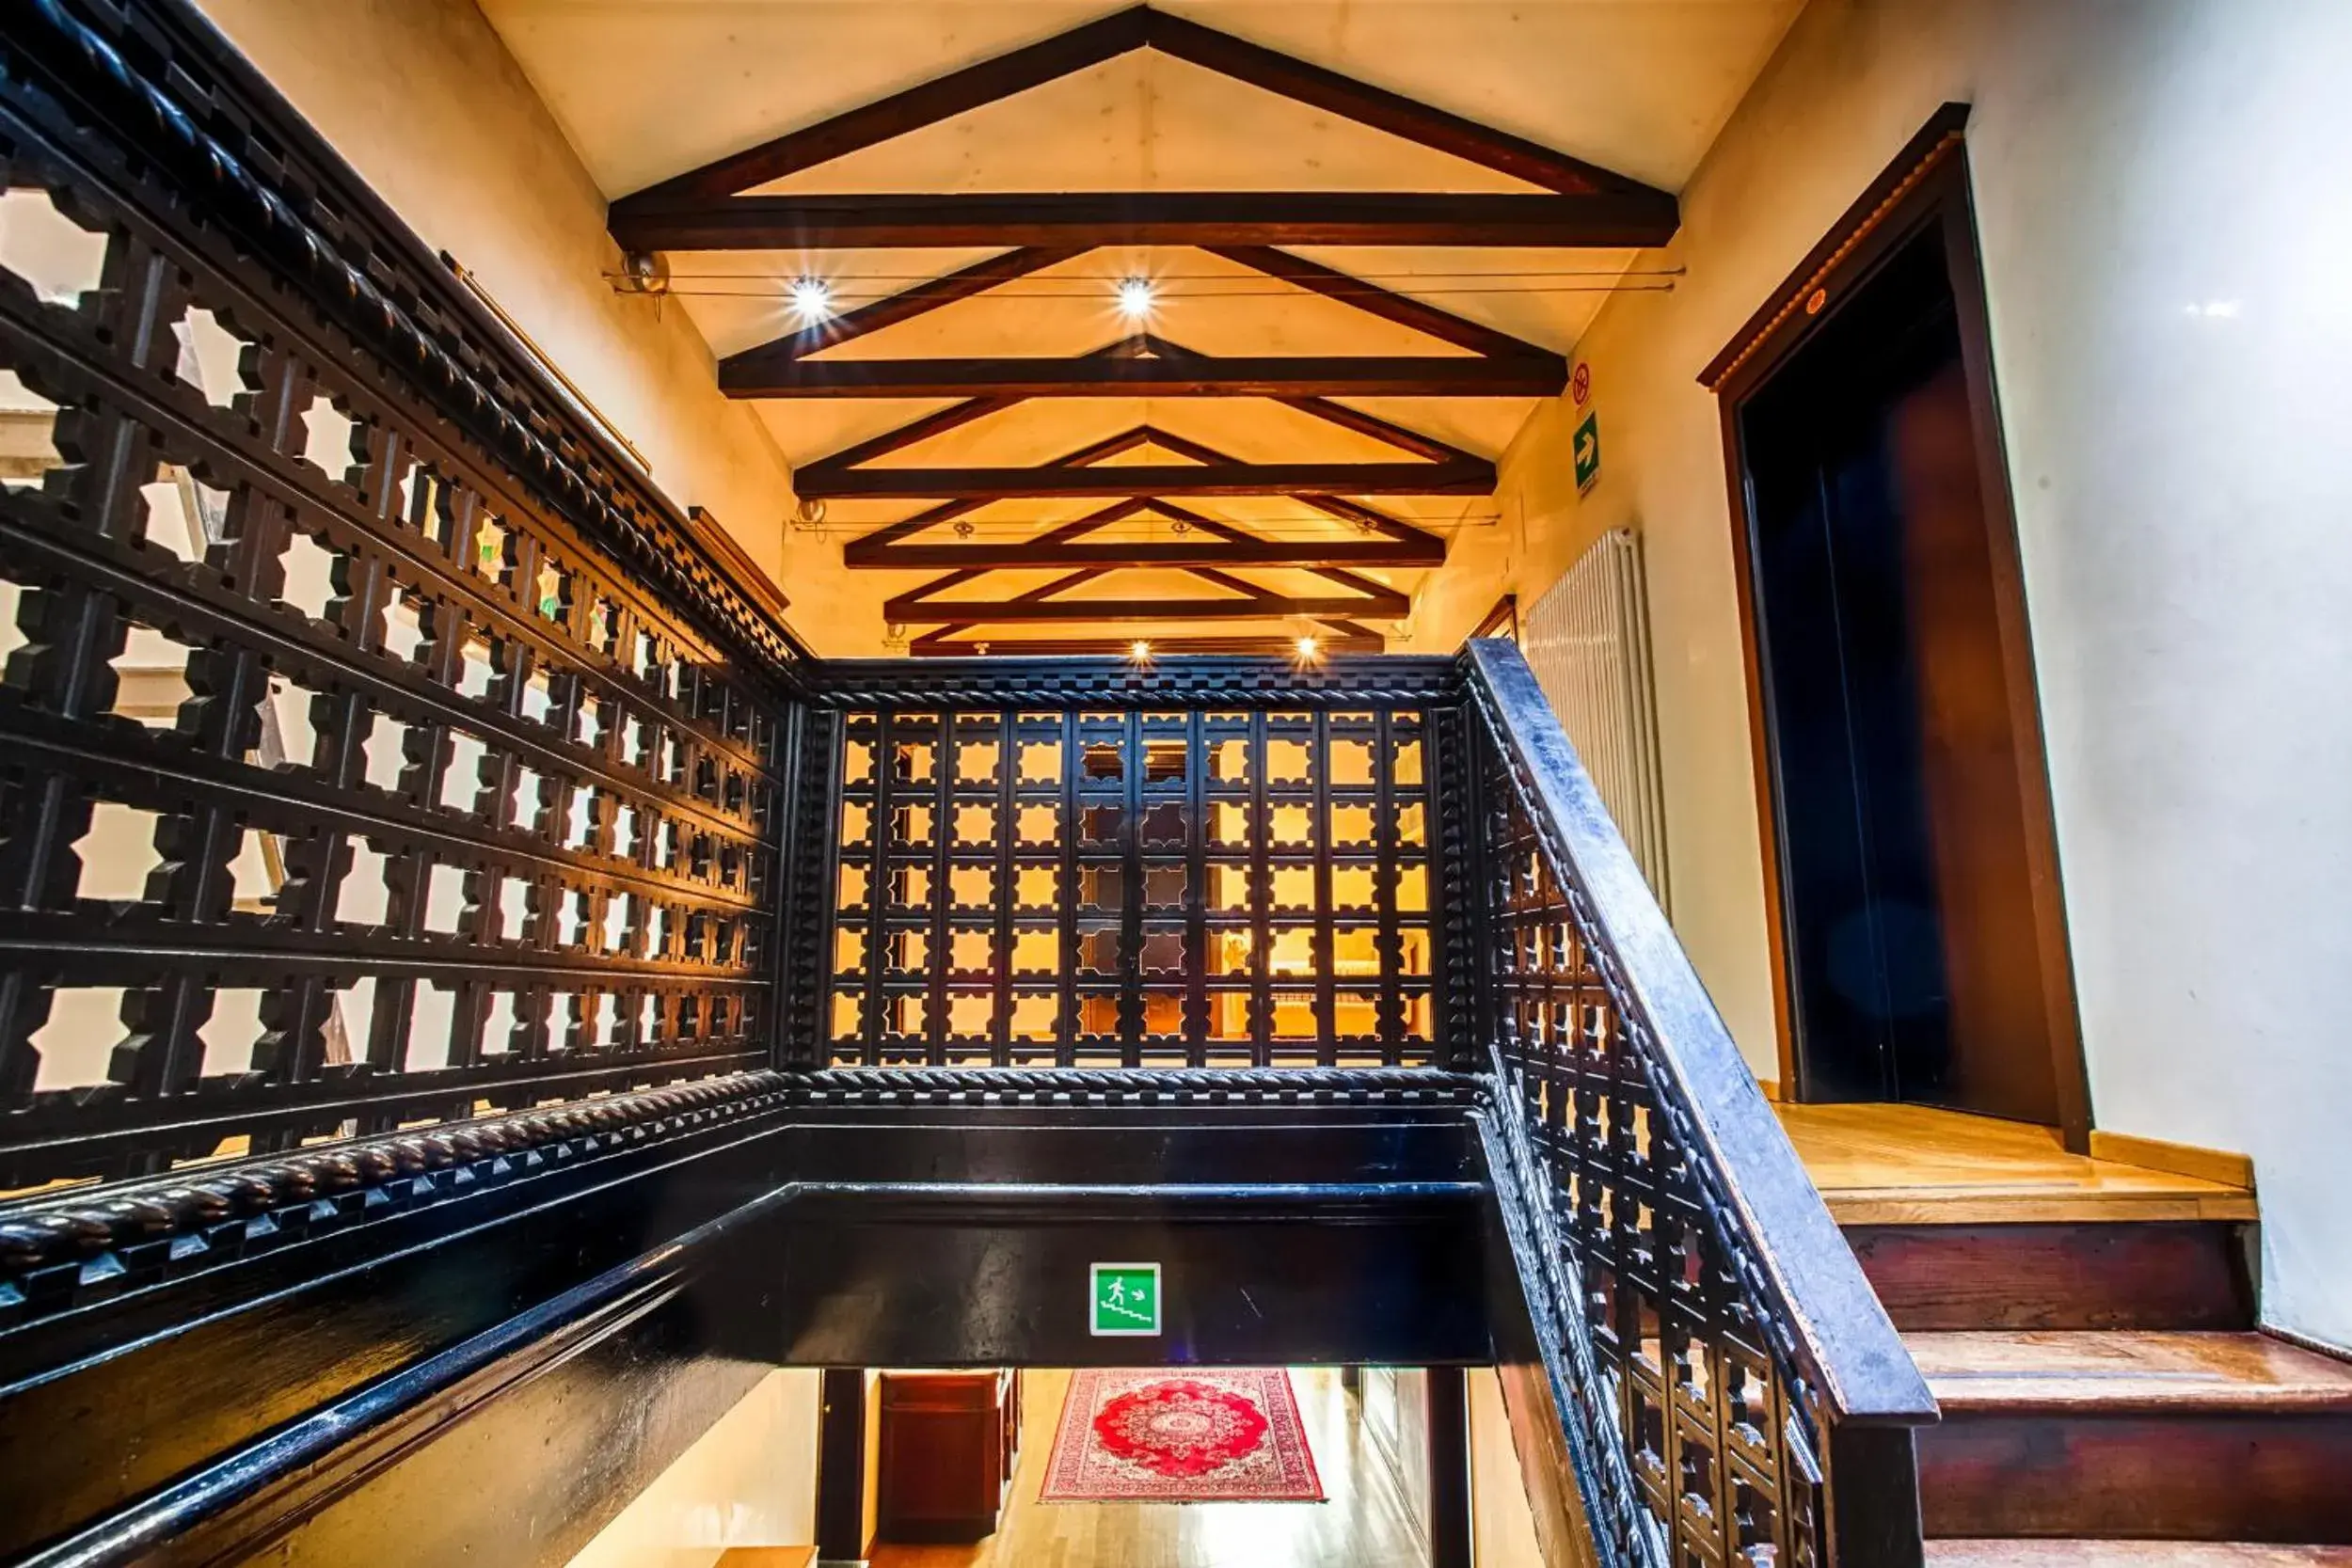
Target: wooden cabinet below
[(948, 1443)]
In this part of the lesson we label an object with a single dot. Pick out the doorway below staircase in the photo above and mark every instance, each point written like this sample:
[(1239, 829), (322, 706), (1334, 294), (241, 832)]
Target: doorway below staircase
[(1365, 1521)]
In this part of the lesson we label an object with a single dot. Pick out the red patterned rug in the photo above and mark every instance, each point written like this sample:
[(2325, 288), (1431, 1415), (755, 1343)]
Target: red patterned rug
[(1221, 1434)]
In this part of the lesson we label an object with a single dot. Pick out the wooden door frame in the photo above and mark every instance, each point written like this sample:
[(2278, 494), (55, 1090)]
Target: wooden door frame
[(1926, 184)]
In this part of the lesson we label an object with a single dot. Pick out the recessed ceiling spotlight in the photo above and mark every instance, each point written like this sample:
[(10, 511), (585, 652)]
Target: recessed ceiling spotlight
[(1135, 297), (1141, 651), (811, 299), (1308, 648)]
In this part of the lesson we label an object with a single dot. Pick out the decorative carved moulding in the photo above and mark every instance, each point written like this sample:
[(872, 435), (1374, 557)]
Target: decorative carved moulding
[(70, 1248)]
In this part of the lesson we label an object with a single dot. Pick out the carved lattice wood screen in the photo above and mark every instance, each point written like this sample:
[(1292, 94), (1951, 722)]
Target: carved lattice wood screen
[(1733, 1391), (1206, 869), (376, 748)]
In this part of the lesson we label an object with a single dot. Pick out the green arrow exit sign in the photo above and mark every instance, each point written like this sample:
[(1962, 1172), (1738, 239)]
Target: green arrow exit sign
[(1125, 1298)]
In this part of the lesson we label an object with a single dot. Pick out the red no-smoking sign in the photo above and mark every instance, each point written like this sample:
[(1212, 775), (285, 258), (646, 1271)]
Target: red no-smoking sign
[(1580, 384)]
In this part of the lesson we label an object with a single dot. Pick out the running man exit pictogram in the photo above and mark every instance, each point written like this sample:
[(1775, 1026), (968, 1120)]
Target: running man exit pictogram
[(1125, 1298)]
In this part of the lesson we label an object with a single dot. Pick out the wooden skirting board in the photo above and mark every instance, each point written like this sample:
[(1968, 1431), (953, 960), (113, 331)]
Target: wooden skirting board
[(2210, 1165)]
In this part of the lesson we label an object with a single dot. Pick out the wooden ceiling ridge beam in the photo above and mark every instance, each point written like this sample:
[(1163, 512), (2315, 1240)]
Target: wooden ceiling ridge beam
[(1583, 204)]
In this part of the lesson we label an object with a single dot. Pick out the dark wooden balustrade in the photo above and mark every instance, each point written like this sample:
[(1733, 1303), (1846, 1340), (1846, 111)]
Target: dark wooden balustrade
[(516, 914), (1732, 1388), (380, 746)]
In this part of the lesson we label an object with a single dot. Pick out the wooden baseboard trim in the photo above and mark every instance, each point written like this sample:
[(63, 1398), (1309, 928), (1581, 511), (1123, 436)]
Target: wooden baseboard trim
[(2328, 1348), (1772, 1089), (2210, 1165)]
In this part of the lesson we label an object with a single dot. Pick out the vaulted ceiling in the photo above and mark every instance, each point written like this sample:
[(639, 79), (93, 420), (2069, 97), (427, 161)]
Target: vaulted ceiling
[(1372, 232)]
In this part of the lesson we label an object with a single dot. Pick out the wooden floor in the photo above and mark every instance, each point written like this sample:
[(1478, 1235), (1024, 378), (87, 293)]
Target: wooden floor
[(1912, 1165), (1364, 1525)]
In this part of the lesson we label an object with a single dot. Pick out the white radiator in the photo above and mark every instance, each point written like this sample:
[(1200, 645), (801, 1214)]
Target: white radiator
[(1587, 639)]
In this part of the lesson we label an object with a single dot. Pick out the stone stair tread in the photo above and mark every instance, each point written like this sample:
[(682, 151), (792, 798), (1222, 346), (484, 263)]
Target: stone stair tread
[(2131, 1553), (2124, 1370)]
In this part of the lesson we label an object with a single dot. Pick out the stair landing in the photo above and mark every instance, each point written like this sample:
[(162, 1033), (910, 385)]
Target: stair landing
[(2131, 1553), (1913, 1164)]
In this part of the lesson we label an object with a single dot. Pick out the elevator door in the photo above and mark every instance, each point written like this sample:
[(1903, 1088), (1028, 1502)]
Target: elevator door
[(1904, 877)]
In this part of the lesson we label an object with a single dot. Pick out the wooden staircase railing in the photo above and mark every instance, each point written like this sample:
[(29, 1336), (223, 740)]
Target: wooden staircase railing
[(1732, 1390)]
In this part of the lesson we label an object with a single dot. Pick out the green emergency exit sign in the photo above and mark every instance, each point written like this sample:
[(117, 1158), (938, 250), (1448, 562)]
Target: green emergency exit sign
[(1125, 1298)]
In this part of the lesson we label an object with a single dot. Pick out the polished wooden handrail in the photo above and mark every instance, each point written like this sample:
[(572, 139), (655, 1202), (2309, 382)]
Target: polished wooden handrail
[(1815, 1308)]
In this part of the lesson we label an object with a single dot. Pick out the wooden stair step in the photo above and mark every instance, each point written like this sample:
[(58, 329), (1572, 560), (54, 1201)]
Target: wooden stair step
[(2131, 1553), (2134, 1434), (1916, 1164), (2127, 1370), (2160, 1274)]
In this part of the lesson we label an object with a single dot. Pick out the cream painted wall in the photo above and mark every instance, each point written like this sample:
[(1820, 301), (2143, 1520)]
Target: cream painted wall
[(750, 1481), (1502, 1527), (423, 99), (2164, 261)]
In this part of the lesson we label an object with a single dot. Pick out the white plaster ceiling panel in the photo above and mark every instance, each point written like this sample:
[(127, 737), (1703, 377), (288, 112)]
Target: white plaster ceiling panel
[(1144, 122), (646, 89), (806, 429)]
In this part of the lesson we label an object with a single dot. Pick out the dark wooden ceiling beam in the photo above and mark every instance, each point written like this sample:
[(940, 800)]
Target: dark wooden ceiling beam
[(936, 423), (1033, 65), (1473, 478), (1400, 542), (1012, 265), (906, 304), (927, 103), (1205, 219), (952, 642), (1374, 300), (1387, 432), (910, 610), (1018, 554), (1326, 90), (1278, 376), (942, 421)]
